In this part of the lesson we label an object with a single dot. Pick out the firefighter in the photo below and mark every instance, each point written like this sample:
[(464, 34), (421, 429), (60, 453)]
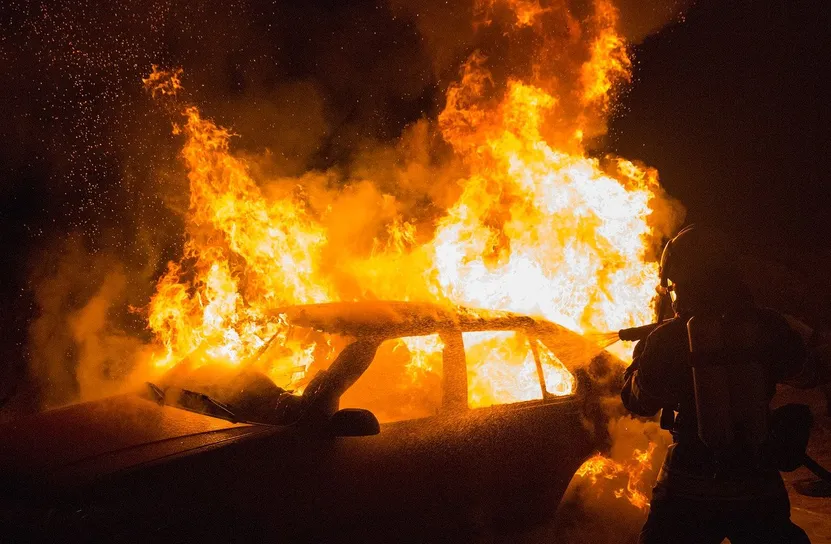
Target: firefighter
[(713, 369)]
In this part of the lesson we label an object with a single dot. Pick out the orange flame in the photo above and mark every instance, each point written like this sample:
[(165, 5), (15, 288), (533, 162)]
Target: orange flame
[(538, 230), (609, 61), (539, 227), (525, 11), (161, 82), (632, 471), (234, 232)]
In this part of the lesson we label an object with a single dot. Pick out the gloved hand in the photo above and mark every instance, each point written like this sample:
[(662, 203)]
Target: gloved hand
[(627, 374)]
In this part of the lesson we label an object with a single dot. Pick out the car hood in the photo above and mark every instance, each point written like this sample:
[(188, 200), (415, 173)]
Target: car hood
[(78, 443)]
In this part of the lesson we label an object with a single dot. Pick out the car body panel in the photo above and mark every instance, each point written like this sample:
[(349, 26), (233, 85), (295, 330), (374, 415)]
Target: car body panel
[(491, 471), (462, 474), (67, 446)]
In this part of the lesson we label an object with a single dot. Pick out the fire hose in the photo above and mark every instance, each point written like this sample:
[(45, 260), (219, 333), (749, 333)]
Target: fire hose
[(634, 334)]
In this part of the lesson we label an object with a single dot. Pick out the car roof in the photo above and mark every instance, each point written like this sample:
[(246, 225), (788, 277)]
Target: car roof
[(395, 318)]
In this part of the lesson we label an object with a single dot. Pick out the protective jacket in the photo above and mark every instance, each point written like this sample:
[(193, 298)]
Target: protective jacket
[(661, 377)]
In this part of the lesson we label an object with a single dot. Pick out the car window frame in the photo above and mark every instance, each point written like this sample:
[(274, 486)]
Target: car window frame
[(530, 336), (454, 367)]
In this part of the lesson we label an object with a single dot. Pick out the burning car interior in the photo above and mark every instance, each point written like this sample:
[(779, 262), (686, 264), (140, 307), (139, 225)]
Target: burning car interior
[(400, 361)]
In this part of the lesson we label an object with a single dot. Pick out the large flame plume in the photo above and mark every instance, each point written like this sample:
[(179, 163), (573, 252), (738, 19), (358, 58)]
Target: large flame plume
[(537, 224)]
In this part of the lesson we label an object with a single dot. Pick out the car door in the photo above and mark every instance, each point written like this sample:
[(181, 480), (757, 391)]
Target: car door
[(528, 434), (445, 463), (438, 470)]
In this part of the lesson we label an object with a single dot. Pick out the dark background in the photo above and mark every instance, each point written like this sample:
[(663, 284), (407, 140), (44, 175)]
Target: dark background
[(728, 103), (731, 107)]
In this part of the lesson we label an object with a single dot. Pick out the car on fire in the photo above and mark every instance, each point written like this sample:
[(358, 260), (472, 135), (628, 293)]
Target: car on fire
[(179, 461)]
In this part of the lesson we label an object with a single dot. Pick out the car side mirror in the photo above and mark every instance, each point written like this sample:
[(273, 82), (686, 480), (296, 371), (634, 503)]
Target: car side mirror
[(353, 422)]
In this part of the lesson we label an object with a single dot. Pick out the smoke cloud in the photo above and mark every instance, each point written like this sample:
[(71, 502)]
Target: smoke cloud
[(85, 342)]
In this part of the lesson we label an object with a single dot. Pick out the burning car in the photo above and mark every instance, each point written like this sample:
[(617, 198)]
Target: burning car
[(194, 457)]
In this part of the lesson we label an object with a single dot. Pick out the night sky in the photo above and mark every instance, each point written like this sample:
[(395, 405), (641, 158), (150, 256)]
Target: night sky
[(728, 103)]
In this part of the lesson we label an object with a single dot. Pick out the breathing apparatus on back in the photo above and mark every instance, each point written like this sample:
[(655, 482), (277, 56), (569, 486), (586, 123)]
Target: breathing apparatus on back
[(725, 339), (729, 380)]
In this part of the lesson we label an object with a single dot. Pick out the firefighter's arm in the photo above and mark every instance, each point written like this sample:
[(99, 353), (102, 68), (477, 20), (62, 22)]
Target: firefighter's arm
[(635, 398)]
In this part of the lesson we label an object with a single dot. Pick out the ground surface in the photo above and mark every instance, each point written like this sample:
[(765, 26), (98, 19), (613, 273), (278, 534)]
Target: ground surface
[(810, 513)]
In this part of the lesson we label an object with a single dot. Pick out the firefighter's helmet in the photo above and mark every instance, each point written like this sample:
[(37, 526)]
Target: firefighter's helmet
[(694, 255)]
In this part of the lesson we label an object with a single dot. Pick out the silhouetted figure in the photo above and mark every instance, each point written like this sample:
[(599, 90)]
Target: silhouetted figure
[(716, 366)]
